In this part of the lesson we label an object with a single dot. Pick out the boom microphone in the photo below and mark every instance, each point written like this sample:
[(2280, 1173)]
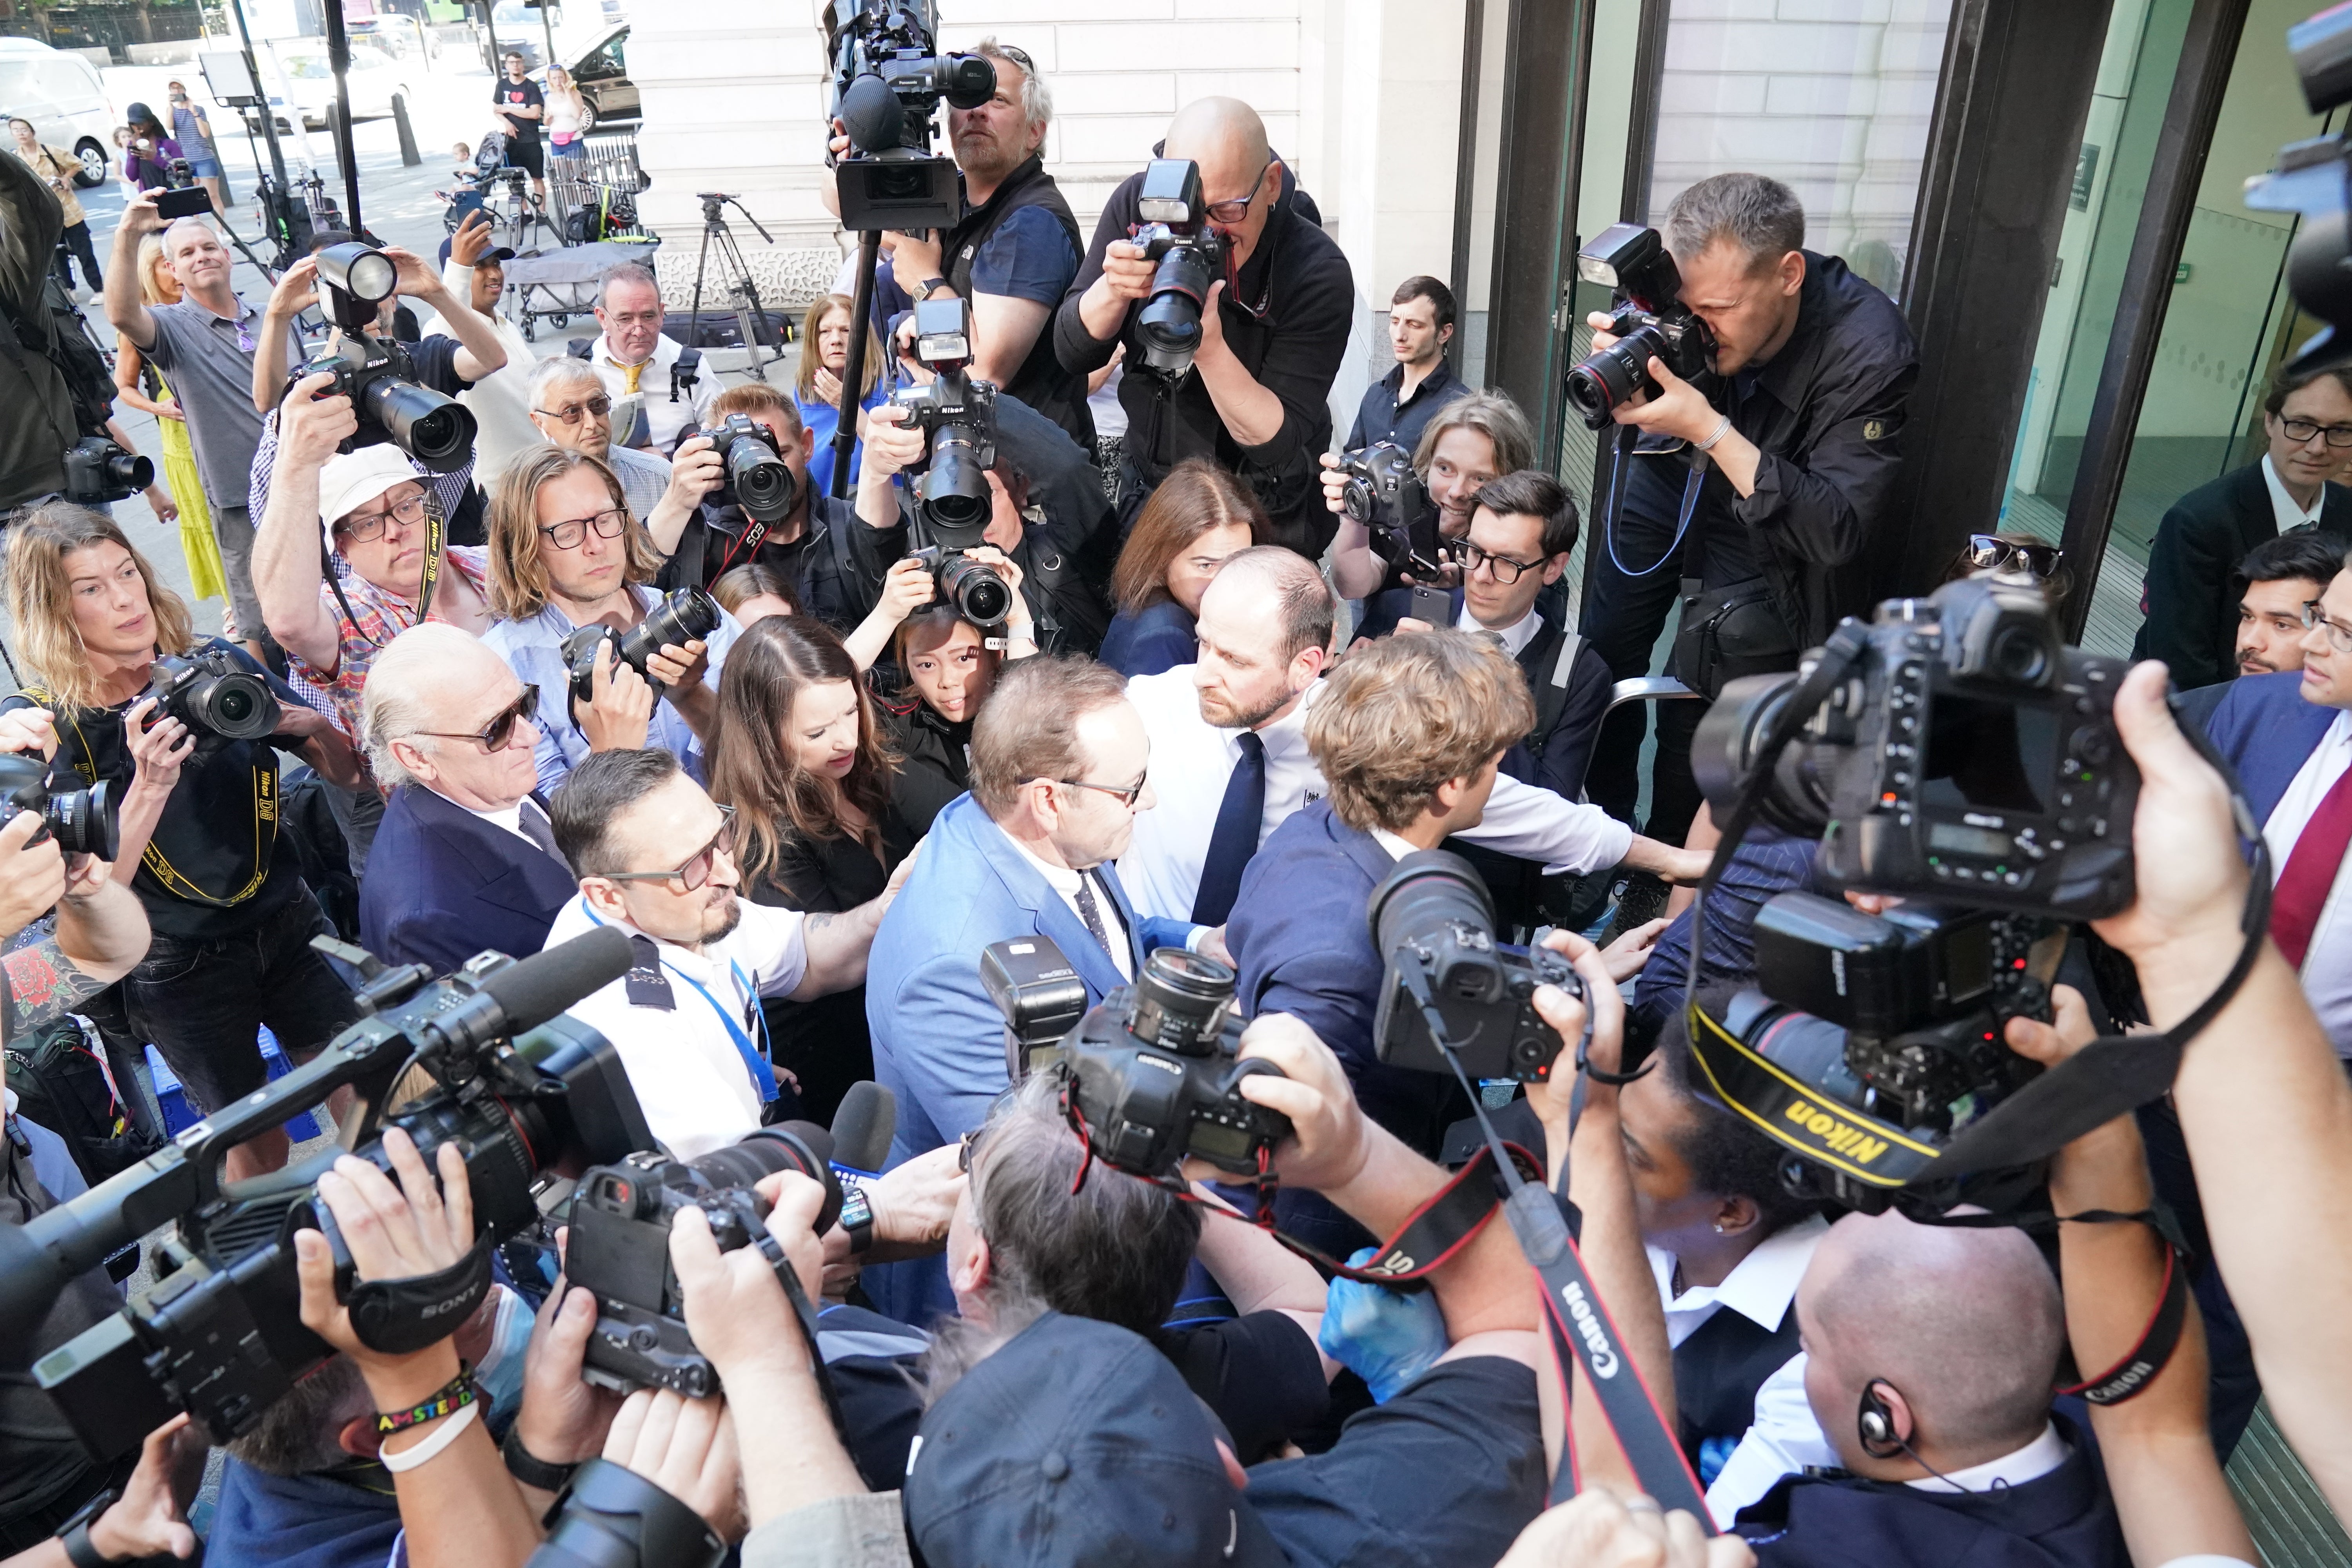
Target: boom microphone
[(862, 1128), (871, 114), (532, 990)]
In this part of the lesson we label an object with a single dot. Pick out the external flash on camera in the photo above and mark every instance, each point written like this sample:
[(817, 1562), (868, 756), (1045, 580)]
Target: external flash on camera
[(362, 271)]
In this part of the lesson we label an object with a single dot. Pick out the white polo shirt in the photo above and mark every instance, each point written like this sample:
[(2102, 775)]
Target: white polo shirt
[(685, 1061)]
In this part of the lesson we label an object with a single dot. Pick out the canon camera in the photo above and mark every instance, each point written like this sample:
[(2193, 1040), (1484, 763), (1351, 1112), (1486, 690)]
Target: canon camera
[(1432, 921), (1650, 322), (1191, 257)]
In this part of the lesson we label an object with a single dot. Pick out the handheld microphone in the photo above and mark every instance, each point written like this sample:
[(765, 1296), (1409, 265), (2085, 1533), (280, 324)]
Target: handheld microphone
[(862, 1129)]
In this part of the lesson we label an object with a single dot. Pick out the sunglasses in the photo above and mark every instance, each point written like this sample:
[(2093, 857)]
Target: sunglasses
[(1988, 554), (493, 735), (692, 876), (570, 415)]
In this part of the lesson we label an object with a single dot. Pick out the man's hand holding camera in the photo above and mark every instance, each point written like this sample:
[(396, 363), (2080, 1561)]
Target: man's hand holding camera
[(421, 1226), (312, 428), (1681, 410), (617, 718)]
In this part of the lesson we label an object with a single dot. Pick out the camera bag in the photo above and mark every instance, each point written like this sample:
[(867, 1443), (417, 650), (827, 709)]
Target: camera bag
[(61, 1083), (1729, 632)]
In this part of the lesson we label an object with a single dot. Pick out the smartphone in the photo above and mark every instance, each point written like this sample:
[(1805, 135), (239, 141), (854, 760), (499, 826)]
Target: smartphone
[(1434, 605), (191, 202)]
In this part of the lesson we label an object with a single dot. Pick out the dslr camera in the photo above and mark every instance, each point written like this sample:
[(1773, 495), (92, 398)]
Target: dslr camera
[(376, 373), (757, 479), (1434, 921), (525, 1092), (82, 821), (686, 615), (217, 697), (1650, 322), (1041, 997), (1968, 757), (888, 78), (1385, 494), (958, 418), (1191, 255), (98, 471), (1150, 1075), (619, 1246)]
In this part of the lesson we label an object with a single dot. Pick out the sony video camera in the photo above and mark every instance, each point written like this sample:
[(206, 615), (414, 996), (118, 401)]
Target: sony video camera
[(1150, 1075), (82, 821), (887, 81), (686, 615), (1970, 756), (98, 471), (1650, 322), (524, 1092), (1191, 255), (376, 373), (619, 1246), (757, 479), (1434, 921), (217, 697)]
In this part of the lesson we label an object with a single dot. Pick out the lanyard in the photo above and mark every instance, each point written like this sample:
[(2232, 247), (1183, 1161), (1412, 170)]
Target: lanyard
[(755, 1060)]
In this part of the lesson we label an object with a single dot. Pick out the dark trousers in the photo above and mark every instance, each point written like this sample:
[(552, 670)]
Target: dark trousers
[(203, 1001), (74, 245), (1630, 592), (30, 1528)]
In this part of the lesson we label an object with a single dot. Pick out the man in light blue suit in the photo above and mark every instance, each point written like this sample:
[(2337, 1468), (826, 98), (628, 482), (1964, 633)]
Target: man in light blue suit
[(1058, 759)]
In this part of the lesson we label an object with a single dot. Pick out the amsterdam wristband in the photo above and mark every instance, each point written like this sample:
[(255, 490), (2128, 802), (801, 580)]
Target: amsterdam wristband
[(455, 1394)]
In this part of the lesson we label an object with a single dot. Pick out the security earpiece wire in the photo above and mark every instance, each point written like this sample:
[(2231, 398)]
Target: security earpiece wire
[(1633, 1412)]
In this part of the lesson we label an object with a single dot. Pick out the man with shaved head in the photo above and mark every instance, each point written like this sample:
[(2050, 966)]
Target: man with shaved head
[(1931, 1353), (1273, 329), (204, 343), (464, 858)]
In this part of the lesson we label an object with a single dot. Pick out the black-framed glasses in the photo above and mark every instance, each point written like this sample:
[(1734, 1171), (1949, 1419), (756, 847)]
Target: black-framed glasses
[(1126, 795), (571, 531), (696, 871), (493, 735), (1989, 553), (1505, 569), (366, 527), (2340, 635), (1237, 209), (570, 415), (2301, 430)]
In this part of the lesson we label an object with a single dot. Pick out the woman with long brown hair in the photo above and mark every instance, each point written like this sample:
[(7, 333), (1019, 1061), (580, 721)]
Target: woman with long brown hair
[(800, 760), (1198, 516), (824, 355)]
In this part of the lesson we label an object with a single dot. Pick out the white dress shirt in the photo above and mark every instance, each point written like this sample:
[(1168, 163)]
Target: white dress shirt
[(1516, 637), (2290, 512), (508, 817), (665, 419), (2327, 963), (2031, 1463), (697, 1091), (501, 402), (1066, 884), (1193, 760), (1783, 1440)]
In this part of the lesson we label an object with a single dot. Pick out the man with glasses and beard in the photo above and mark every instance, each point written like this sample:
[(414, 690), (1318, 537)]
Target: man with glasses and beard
[(464, 858), (655, 857)]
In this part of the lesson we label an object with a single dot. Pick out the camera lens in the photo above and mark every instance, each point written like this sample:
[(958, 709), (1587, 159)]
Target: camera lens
[(1178, 999), (1729, 738), (2018, 655), (1429, 892), (1613, 375), (762, 482), (801, 1146), (232, 704), (436, 431), (978, 592), (1169, 321), (689, 613), (955, 488), (130, 470)]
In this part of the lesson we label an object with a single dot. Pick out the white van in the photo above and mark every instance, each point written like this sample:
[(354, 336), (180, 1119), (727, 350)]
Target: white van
[(62, 96)]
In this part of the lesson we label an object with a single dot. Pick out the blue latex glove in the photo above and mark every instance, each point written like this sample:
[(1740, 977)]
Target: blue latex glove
[(1386, 1337)]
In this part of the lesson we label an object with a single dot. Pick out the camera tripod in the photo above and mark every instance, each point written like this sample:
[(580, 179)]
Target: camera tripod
[(762, 342)]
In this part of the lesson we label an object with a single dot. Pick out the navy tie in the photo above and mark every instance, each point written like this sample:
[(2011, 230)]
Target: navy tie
[(1235, 839)]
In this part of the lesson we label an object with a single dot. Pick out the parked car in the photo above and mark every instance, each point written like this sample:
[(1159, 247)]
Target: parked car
[(64, 98), (599, 69), (402, 37), (521, 32), (374, 78)]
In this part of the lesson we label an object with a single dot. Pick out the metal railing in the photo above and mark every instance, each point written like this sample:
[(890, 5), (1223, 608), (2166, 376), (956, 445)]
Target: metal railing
[(603, 177)]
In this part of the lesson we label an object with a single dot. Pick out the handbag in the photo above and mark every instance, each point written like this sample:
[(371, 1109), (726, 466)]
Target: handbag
[(1728, 632)]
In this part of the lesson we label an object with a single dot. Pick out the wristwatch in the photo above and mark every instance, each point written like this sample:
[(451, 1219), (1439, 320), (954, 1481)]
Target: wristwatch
[(74, 1534), (856, 1218), (933, 285)]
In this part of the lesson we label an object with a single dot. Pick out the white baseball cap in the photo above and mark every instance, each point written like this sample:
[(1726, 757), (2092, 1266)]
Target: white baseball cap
[(350, 481)]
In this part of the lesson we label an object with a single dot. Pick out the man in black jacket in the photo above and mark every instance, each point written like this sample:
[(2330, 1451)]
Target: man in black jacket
[(2191, 593), (1273, 330)]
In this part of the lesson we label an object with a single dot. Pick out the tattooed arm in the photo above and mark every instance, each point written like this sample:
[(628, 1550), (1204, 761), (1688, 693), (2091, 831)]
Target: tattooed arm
[(101, 936), (837, 943)]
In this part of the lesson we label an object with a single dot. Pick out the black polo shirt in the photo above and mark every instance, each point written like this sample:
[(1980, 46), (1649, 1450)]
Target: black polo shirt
[(1382, 418)]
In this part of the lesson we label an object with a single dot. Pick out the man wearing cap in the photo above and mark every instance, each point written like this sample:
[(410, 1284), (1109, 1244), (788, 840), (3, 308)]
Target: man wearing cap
[(500, 401)]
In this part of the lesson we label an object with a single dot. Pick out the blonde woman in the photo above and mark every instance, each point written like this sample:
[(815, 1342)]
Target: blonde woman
[(824, 355), (140, 384), (568, 115)]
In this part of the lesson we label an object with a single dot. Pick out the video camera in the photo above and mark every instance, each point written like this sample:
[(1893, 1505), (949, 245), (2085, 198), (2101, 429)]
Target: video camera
[(1191, 255), (1650, 322), (889, 78), (82, 821), (1432, 921), (1151, 1076), (686, 615), (377, 374), (757, 477), (524, 1092), (218, 700), (97, 472)]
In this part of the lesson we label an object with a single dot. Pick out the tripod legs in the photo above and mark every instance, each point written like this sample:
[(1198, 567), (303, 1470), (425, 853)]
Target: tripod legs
[(751, 319)]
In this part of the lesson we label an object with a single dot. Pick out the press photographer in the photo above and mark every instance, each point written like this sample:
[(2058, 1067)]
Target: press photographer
[(1753, 516), (1247, 339), (181, 730), (1404, 513)]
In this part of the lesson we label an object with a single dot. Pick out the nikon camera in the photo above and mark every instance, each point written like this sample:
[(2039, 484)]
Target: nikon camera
[(1191, 257), (215, 697), (1433, 914), (1970, 757), (958, 418), (1650, 322), (82, 821), (1150, 1074), (757, 477), (686, 615), (376, 373)]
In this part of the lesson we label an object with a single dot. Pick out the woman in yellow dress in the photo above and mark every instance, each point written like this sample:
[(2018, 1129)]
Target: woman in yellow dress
[(141, 386)]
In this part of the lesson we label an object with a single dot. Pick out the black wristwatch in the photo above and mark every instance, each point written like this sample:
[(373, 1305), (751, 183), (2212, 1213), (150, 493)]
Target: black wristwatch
[(529, 1467), (933, 285), (74, 1533), (856, 1218)]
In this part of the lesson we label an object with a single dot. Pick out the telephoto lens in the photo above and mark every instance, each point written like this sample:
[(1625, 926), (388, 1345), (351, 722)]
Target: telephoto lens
[(436, 431), (82, 821), (758, 478), (689, 613), (955, 486)]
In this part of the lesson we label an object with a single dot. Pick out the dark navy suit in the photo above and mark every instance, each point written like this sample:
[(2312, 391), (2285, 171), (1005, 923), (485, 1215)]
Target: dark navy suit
[(2267, 731), (1159, 637), (443, 885)]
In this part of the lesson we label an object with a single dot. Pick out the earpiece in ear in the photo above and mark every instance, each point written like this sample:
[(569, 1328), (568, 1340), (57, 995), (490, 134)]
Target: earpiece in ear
[(1876, 1424)]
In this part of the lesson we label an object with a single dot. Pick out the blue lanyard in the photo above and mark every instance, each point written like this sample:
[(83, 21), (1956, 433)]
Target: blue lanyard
[(755, 1058)]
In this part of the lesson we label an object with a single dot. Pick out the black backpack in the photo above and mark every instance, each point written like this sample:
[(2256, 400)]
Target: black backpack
[(59, 1077)]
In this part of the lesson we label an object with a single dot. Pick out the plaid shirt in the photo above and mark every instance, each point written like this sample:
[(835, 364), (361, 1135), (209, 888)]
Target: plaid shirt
[(382, 617)]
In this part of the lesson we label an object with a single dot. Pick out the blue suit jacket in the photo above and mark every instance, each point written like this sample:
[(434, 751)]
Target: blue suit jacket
[(442, 885), (939, 1041), (1299, 938), (1159, 638), (2266, 731)]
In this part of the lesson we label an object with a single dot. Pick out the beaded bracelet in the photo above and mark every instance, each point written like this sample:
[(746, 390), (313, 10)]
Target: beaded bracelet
[(455, 1394)]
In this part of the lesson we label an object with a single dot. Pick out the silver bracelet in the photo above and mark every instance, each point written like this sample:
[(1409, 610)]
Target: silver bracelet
[(1721, 430)]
